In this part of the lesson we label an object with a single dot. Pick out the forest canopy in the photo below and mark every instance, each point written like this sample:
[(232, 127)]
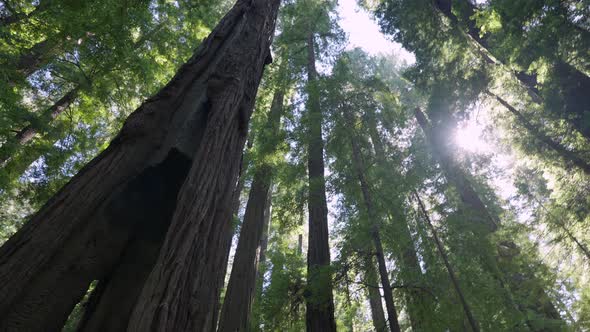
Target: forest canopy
[(295, 165)]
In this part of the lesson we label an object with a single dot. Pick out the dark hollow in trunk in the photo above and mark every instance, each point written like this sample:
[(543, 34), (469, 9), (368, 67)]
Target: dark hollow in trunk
[(83, 232), (182, 290)]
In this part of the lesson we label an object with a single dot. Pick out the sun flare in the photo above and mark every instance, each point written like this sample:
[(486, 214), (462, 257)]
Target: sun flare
[(469, 137)]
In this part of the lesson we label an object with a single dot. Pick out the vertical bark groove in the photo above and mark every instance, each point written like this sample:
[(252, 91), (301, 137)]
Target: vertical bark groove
[(183, 285)]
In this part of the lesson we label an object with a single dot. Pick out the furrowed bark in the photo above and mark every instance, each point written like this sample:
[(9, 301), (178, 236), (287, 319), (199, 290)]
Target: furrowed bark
[(450, 271), (81, 234), (372, 286), (237, 305), (319, 315), (569, 157), (184, 283), (369, 205)]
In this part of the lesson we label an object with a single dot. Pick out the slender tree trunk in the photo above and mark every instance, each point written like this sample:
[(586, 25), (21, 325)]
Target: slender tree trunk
[(372, 285), (27, 133), (369, 205), (450, 271), (568, 156), (566, 230), (237, 305), (84, 232), (235, 208), (264, 240), (478, 212), (418, 307), (182, 286)]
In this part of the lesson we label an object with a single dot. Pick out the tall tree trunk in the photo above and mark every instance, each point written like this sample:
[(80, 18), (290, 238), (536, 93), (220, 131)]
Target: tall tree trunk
[(372, 286), (237, 305), (419, 308), (478, 212), (320, 300), (182, 286), (373, 216), (130, 189), (450, 271), (27, 133), (235, 208), (569, 157)]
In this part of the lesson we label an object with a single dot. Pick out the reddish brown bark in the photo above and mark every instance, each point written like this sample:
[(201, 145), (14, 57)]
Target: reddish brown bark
[(184, 283), (237, 305), (319, 300), (130, 189)]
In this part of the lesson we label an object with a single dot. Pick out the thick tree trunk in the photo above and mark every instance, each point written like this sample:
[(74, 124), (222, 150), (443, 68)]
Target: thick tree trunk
[(569, 157), (373, 216), (237, 305), (181, 288), (443, 255), (319, 300), (27, 133), (130, 189), (372, 286)]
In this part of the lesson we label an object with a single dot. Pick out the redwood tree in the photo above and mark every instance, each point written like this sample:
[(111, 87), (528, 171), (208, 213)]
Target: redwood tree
[(174, 163)]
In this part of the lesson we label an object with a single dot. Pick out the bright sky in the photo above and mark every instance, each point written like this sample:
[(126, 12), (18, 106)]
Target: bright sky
[(364, 32)]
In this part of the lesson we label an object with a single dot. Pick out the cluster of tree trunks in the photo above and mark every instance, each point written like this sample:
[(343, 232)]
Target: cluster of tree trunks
[(153, 206)]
